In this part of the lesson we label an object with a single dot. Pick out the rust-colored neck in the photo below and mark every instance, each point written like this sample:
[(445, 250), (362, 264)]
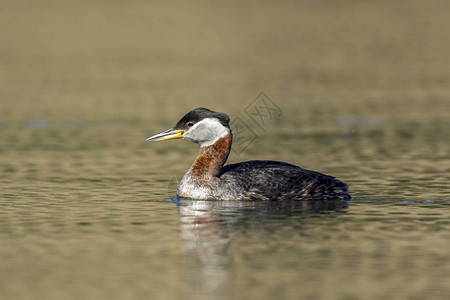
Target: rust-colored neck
[(211, 158)]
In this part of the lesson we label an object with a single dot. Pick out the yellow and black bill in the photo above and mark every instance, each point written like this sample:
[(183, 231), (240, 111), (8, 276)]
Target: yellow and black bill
[(167, 135)]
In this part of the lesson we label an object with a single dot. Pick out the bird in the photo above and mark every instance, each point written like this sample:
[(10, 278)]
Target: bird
[(257, 180)]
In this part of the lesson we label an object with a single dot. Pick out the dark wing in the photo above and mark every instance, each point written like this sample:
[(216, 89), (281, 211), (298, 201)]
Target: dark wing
[(272, 180)]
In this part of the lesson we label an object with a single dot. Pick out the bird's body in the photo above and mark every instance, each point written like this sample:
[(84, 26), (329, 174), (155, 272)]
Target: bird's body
[(209, 179)]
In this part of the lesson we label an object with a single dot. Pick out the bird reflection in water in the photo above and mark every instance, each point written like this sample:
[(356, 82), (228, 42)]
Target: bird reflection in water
[(207, 228)]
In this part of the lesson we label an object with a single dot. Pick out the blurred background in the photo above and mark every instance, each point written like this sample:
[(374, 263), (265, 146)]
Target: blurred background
[(142, 60), (363, 87), (96, 75)]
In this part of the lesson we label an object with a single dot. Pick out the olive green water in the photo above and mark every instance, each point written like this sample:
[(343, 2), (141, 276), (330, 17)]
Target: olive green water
[(363, 89)]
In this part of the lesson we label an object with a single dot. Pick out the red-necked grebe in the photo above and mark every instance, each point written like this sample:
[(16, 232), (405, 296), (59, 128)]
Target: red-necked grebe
[(209, 179)]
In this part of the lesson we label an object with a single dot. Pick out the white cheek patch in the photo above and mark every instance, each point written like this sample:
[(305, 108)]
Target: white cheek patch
[(206, 132)]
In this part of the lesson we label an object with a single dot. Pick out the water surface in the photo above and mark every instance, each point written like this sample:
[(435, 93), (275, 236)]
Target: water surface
[(85, 203)]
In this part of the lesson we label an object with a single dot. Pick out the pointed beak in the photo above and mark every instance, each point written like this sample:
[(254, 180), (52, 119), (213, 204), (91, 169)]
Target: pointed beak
[(167, 135)]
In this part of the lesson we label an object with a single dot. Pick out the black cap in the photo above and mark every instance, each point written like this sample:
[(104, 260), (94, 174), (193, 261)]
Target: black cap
[(199, 114)]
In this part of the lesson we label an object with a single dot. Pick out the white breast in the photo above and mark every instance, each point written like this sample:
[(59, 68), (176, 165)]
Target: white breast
[(192, 187)]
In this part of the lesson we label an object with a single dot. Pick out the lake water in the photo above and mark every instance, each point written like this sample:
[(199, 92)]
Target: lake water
[(87, 208)]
